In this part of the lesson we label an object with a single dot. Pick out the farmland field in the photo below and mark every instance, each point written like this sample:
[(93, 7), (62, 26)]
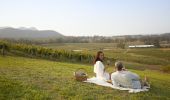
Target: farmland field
[(42, 79), (152, 58)]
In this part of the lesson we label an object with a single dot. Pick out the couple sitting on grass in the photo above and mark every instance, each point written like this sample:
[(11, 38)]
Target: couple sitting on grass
[(120, 78)]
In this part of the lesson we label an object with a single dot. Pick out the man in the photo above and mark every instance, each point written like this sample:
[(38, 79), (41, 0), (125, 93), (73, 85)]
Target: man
[(124, 78)]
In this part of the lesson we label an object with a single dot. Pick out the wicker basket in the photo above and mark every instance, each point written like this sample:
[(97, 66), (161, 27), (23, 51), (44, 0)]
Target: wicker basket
[(80, 74)]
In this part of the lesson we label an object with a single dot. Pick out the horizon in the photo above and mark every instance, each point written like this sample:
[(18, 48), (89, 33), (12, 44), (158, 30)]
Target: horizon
[(35, 29), (89, 18)]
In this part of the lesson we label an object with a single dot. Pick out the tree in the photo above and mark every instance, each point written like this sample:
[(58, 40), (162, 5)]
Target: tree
[(156, 43), (4, 48)]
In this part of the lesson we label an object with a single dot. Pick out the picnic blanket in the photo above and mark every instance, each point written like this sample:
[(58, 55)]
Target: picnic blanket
[(104, 83)]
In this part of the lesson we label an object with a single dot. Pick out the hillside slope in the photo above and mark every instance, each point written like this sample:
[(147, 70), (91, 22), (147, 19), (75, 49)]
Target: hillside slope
[(25, 78)]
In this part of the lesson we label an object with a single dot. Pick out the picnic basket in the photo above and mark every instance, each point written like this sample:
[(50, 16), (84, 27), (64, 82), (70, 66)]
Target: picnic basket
[(80, 74)]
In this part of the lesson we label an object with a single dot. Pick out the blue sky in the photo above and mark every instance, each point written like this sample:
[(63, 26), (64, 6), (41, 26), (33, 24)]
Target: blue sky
[(88, 17)]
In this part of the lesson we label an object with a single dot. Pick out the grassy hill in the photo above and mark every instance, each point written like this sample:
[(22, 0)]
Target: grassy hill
[(37, 79)]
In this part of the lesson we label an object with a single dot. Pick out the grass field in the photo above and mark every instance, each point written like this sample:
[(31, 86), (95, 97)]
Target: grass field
[(36, 79), (144, 58), (80, 46)]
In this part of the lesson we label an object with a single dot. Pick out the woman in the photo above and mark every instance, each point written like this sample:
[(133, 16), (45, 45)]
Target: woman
[(99, 68)]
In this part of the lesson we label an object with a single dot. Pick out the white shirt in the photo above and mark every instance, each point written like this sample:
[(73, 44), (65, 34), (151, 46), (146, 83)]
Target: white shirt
[(99, 70), (126, 79)]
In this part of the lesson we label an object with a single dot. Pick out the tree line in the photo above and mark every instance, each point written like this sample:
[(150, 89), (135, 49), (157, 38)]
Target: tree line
[(146, 39)]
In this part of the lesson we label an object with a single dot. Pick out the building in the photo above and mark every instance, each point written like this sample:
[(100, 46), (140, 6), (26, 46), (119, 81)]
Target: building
[(141, 46)]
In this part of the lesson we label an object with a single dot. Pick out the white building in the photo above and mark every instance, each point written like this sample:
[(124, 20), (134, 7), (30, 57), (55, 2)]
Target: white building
[(141, 46)]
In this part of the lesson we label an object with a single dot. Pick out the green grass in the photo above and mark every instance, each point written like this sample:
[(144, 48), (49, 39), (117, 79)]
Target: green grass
[(80, 46), (159, 53), (36, 79)]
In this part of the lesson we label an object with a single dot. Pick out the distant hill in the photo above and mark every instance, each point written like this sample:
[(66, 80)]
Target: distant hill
[(166, 35), (26, 33)]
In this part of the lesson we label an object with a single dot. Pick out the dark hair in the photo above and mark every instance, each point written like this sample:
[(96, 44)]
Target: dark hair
[(119, 65), (97, 57)]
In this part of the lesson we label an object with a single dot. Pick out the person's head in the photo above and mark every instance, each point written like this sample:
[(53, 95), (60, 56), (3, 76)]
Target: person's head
[(99, 56), (118, 65)]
